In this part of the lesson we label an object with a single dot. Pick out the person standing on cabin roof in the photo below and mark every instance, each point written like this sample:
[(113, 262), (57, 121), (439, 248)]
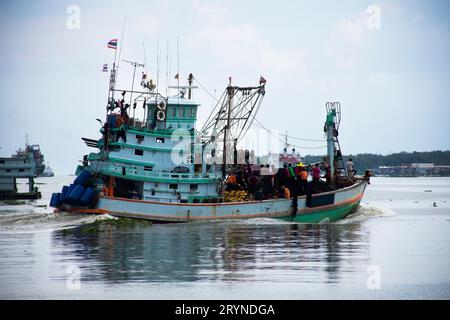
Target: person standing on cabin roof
[(350, 168)]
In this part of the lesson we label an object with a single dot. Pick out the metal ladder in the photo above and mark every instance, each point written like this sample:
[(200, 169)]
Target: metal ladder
[(341, 164)]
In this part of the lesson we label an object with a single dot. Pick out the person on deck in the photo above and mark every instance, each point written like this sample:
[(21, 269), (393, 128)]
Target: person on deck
[(267, 180), (316, 173), (252, 184), (231, 183), (350, 168), (327, 175), (303, 179), (285, 193), (291, 171)]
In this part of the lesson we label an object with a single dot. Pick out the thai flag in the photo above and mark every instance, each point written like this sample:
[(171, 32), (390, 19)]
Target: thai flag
[(112, 44), (105, 67)]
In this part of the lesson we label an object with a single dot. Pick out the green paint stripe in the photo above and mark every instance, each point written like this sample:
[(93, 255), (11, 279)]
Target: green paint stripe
[(141, 163), (332, 215), (157, 133), (174, 119), (135, 146)]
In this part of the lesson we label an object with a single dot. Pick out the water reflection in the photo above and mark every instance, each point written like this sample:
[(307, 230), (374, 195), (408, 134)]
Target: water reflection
[(222, 251)]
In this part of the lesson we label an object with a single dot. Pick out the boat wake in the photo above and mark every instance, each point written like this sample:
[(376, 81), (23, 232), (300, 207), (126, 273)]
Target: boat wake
[(365, 212), (26, 218)]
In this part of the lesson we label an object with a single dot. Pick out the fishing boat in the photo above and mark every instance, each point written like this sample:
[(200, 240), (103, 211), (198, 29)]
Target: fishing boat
[(47, 172), (162, 168), (26, 163)]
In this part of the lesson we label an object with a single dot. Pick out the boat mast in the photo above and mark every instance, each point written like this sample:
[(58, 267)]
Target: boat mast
[(331, 113), (226, 129), (332, 123), (190, 78)]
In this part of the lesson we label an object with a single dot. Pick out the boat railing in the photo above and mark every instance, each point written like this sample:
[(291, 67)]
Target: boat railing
[(135, 171), (138, 124), (16, 165)]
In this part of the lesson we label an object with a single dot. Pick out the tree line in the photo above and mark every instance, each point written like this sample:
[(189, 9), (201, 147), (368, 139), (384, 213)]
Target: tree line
[(370, 161)]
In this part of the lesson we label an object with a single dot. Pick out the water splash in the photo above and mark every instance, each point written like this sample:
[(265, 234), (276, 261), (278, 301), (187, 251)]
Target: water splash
[(365, 212), (29, 218)]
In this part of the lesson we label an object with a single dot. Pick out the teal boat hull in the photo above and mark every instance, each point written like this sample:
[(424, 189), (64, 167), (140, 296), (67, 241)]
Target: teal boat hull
[(323, 207)]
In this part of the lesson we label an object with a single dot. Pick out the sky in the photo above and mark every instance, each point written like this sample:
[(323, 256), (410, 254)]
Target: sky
[(386, 62)]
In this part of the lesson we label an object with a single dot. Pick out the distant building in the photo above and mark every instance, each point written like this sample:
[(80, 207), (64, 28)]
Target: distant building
[(413, 170)]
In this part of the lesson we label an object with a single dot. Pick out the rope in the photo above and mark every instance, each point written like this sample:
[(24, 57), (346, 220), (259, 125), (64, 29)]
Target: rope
[(262, 127), (295, 146), (206, 90)]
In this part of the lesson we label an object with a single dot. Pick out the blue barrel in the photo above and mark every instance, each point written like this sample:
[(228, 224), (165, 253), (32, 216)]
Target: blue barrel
[(82, 178), (64, 193), (76, 194), (87, 196), (71, 187), (55, 200)]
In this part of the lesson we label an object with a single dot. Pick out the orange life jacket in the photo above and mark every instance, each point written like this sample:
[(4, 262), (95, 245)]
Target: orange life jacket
[(304, 175)]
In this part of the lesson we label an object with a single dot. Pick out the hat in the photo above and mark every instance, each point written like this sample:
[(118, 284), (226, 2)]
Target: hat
[(300, 164)]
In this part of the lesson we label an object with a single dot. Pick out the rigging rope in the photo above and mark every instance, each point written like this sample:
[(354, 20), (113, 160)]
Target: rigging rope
[(295, 146), (262, 127)]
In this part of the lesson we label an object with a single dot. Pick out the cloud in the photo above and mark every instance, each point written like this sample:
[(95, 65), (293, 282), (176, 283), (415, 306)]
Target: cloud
[(346, 40), (148, 25), (213, 14), (392, 9), (244, 45)]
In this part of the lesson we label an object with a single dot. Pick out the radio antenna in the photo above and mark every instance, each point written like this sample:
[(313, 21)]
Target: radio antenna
[(157, 66), (121, 44), (145, 58), (178, 64), (167, 67), (135, 64)]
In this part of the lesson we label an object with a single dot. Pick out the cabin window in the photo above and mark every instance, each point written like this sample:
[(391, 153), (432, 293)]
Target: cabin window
[(193, 187), (173, 186), (191, 112), (8, 170), (2, 161), (139, 138), (21, 170), (138, 152), (159, 140), (148, 168), (153, 192), (180, 113), (173, 112)]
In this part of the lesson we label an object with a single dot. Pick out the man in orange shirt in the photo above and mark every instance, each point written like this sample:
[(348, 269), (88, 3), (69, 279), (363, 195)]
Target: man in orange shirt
[(303, 178)]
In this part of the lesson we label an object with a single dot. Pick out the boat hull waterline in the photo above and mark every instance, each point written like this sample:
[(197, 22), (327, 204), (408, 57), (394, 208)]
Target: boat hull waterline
[(324, 207)]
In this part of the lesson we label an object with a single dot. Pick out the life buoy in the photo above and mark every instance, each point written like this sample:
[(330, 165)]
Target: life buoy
[(162, 106), (160, 115)]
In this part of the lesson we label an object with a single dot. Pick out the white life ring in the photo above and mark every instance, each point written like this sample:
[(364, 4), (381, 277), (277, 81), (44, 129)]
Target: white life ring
[(162, 105), (160, 115)]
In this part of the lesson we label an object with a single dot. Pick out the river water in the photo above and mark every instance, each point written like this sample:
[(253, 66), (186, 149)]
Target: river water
[(397, 246)]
